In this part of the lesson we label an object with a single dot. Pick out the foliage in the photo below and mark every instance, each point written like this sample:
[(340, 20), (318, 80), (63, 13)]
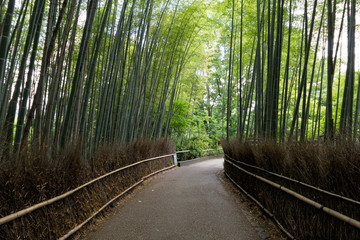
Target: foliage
[(196, 145), (180, 122), (101, 71)]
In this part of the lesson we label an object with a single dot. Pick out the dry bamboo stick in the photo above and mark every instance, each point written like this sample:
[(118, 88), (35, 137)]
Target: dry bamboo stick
[(25, 211), (97, 212), (317, 205), (296, 181), (109, 202), (262, 207)]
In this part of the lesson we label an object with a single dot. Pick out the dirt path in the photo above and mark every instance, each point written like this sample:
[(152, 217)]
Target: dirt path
[(189, 202)]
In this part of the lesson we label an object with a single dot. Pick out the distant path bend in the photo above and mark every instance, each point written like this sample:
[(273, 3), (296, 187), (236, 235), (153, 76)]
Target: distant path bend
[(191, 202)]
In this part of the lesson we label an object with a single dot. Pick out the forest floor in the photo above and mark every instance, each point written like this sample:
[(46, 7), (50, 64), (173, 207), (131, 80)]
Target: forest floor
[(194, 201)]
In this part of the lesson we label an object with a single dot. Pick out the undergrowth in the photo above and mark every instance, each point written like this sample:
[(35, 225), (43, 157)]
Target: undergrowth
[(333, 166), (36, 177), (196, 146)]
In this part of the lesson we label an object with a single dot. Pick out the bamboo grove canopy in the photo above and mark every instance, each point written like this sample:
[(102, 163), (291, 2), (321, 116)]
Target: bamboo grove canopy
[(111, 71)]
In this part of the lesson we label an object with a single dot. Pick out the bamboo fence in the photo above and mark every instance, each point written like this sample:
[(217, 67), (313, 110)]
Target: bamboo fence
[(25, 211), (302, 198)]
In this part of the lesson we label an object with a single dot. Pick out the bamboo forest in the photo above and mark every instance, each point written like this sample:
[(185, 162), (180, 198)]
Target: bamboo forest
[(115, 91), (196, 71)]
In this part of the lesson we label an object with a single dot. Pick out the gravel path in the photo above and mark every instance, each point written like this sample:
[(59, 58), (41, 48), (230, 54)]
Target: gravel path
[(189, 202)]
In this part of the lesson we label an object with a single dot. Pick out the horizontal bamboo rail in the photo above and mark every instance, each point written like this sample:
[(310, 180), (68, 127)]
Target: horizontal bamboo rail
[(212, 150), (187, 151), (282, 228), (205, 150), (317, 205), (296, 181), (71, 232), (184, 151), (25, 211)]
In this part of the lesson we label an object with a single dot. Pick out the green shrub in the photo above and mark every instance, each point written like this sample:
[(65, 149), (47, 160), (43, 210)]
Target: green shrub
[(196, 145)]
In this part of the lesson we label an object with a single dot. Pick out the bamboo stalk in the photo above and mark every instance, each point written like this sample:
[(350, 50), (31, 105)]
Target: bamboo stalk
[(25, 211)]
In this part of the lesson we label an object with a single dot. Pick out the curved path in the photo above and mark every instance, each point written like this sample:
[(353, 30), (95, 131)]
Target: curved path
[(189, 202)]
